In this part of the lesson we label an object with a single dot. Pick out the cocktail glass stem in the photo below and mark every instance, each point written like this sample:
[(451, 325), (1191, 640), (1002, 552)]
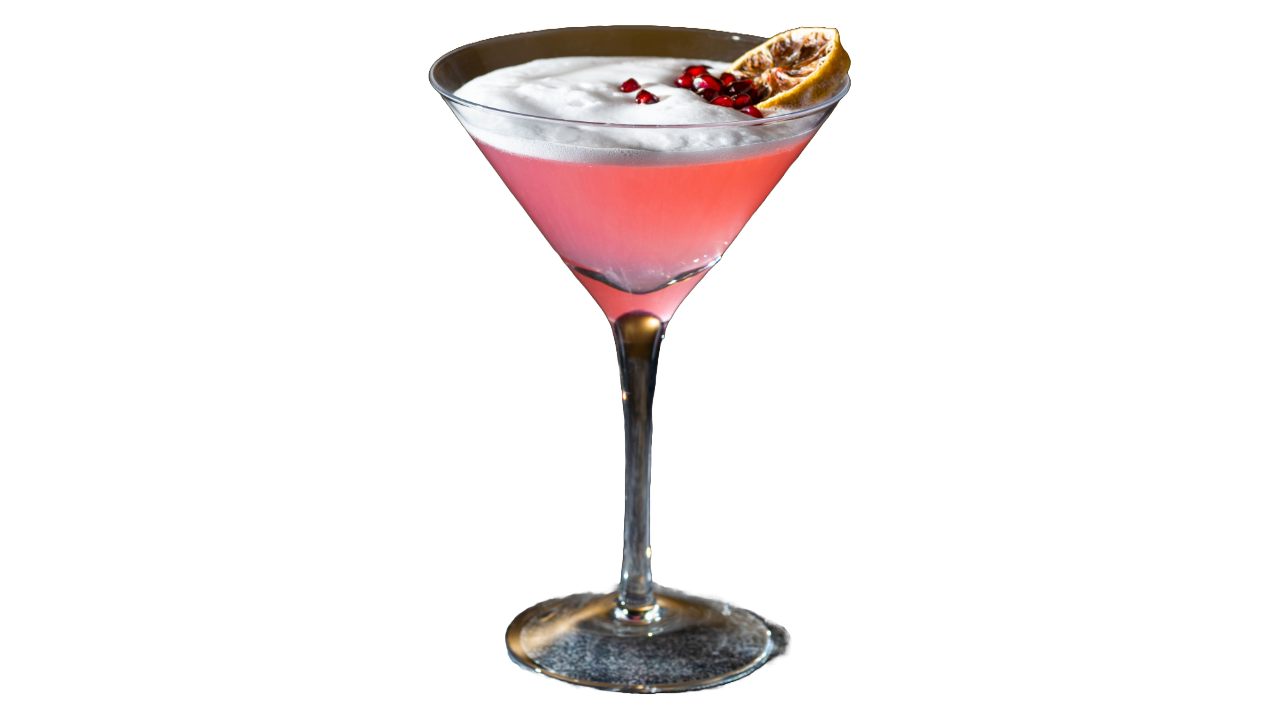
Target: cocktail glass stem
[(638, 336)]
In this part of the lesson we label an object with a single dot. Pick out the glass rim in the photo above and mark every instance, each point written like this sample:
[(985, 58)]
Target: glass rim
[(845, 85)]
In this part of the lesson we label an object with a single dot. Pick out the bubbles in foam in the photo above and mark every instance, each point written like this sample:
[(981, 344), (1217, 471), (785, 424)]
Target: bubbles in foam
[(585, 89)]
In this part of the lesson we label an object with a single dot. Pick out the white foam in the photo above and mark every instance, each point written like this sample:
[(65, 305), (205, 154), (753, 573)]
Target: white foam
[(585, 89)]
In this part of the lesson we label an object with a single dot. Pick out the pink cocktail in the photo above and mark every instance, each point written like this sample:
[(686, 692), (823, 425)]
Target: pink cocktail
[(640, 237), (639, 185)]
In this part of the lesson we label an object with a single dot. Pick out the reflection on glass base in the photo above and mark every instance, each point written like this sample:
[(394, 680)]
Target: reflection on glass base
[(693, 644)]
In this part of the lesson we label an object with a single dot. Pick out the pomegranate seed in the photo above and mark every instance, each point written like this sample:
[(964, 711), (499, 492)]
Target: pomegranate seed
[(695, 70), (737, 88), (752, 111), (629, 86), (708, 94), (723, 101), (727, 78), (704, 82), (685, 81), (646, 98), (741, 101)]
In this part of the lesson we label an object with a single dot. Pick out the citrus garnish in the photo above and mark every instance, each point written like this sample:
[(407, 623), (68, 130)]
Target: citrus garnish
[(796, 69)]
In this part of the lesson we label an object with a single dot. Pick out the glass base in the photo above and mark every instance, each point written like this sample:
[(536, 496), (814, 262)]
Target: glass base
[(685, 643)]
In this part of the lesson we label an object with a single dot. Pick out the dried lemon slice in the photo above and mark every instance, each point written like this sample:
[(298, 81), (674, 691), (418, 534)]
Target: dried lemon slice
[(797, 69)]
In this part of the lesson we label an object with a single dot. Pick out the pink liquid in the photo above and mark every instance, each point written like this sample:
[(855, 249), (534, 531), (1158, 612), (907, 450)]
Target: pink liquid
[(640, 237)]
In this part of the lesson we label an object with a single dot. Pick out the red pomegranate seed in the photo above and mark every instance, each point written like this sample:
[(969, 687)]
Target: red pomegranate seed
[(741, 101), (685, 81), (727, 78), (707, 94), (737, 88), (695, 70), (646, 98), (752, 111), (723, 101), (629, 86), (704, 82)]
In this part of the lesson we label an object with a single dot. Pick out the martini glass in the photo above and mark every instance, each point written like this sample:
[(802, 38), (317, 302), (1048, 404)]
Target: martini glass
[(572, 178)]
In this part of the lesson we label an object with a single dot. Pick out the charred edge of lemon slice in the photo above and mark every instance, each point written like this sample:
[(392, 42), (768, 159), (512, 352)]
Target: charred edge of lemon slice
[(800, 67)]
